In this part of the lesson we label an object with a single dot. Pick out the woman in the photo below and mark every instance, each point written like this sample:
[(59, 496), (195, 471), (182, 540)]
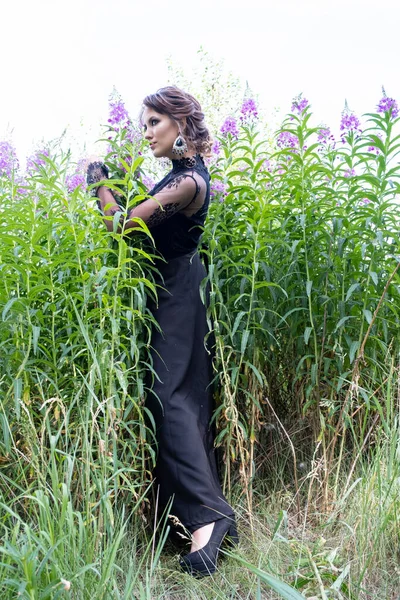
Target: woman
[(180, 399)]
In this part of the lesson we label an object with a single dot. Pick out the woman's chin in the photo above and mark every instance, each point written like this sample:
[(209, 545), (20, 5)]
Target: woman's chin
[(157, 153)]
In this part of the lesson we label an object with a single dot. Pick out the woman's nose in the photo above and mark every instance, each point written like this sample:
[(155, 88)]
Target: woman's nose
[(148, 135)]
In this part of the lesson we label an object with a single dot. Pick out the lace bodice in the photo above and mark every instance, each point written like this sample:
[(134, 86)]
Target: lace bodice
[(184, 194)]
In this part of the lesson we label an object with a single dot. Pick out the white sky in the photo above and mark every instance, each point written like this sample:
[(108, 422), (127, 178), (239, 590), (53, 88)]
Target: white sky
[(60, 59)]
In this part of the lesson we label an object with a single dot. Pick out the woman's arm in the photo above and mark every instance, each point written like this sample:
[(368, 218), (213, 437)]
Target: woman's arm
[(174, 197)]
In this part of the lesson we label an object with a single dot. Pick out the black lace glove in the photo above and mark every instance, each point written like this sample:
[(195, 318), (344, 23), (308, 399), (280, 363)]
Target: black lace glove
[(96, 173)]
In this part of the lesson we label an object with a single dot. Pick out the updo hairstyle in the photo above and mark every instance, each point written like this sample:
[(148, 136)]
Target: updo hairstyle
[(186, 111)]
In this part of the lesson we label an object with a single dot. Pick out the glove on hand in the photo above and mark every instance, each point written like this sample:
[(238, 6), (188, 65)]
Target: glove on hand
[(96, 172)]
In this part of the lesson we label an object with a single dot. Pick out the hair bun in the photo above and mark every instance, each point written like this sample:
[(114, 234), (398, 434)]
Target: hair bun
[(185, 109)]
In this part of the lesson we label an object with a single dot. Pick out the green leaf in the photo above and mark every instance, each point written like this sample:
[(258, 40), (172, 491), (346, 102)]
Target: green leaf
[(374, 277), (282, 518), (368, 315), (239, 317), (337, 584), (307, 334), (377, 142), (353, 349), (282, 588), (343, 321), (7, 308), (256, 373), (314, 368), (351, 289), (245, 338), (36, 333), (116, 220), (17, 385)]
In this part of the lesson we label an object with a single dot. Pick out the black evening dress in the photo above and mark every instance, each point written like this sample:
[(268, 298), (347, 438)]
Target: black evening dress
[(180, 397)]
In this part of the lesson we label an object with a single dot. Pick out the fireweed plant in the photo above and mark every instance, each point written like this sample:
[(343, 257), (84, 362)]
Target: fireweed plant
[(303, 253), (304, 256), (74, 334)]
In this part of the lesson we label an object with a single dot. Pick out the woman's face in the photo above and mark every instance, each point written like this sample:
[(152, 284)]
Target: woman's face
[(160, 131)]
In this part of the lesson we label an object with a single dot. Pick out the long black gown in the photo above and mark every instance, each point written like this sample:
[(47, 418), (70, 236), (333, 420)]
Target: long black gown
[(181, 399)]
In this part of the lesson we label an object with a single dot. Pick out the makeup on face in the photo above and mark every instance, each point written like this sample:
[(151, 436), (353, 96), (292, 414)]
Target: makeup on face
[(160, 131)]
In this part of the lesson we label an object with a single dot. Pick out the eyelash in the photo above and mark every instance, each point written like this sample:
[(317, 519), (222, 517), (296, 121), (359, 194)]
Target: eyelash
[(153, 122)]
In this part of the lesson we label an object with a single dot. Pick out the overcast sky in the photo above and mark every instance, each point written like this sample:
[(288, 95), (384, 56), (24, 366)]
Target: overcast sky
[(61, 59)]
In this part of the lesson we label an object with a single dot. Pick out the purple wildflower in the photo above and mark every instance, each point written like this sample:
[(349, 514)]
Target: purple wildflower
[(132, 134), (248, 112), (148, 182), (287, 140), (216, 147), (36, 160), (78, 178), (22, 186), (267, 165), (388, 104), (8, 159), (218, 188), (120, 121), (325, 136), (373, 148), (230, 127), (123, 132), (117, 112), (299, 104), (75, 180), (365, 201), (349, 123), (349, 173)]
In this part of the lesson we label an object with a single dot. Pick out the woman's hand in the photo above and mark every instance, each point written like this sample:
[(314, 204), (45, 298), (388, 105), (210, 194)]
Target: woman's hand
[(96, 172)]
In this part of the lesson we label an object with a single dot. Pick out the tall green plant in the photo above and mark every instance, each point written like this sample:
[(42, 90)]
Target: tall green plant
[(303, 270)]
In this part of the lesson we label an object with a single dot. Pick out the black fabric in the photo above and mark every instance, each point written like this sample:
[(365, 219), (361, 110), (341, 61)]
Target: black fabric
[(181, 398), (181, 234)]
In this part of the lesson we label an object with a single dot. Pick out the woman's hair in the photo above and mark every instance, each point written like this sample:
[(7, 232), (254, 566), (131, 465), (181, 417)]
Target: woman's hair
[(186, 111)]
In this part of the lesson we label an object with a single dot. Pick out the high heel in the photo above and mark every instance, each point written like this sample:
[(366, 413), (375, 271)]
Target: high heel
[(232, 538), (204, 561)]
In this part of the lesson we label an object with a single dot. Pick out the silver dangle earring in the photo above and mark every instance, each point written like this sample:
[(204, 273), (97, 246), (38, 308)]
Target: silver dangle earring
[(179, 146)]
